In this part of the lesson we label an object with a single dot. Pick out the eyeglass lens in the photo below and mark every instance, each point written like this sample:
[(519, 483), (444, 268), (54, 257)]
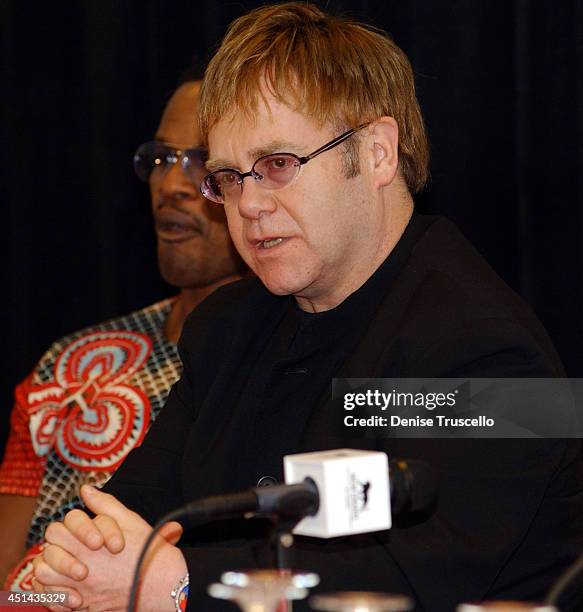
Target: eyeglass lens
[(274, 172), (152, 156)]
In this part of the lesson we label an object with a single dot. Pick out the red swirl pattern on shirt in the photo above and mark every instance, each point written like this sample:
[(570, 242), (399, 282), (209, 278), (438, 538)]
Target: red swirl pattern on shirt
[(90, 415)]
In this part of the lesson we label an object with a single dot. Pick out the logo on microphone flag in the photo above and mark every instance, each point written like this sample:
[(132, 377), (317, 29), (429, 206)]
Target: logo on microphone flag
[(354, 491)]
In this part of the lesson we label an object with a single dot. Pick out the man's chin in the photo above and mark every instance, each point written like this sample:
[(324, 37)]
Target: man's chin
[(179, 276), (282, 286)]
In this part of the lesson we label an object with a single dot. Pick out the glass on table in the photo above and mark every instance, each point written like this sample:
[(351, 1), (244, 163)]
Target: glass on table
[(263, 590), (361, 601), (505, 606)]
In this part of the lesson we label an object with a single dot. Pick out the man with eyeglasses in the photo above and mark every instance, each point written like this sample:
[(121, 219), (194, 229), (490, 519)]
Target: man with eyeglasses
[(75, 419), (316, 148)]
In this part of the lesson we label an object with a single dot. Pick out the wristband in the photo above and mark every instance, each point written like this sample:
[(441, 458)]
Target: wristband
[(180, 594)]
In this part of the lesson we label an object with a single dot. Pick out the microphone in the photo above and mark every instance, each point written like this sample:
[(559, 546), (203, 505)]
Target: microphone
[(360, 491), (288, 501), (413, 486), (337, 492)]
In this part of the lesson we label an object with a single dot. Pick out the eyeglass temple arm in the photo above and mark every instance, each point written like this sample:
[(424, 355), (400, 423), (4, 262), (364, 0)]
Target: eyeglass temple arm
[(332, 143)]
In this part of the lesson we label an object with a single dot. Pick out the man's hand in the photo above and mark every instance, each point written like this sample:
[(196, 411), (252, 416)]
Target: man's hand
[(94, 559)]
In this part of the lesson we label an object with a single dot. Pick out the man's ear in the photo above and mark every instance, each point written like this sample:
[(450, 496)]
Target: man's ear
[(383, 149)]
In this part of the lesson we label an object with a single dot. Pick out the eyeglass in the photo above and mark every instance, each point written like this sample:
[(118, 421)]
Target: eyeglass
[(153, 155), (274, 171)]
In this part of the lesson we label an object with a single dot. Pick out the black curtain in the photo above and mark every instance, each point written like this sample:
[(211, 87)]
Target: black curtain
[(501, 87)]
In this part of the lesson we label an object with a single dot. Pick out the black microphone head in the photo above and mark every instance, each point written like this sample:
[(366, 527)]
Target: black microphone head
[(413, 485), (289, 500)]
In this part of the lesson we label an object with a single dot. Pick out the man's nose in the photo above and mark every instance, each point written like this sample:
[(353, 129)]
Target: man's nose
[(174, 180), (255, 200)]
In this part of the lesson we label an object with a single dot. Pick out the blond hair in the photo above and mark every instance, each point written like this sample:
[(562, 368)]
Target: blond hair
[(333, 69)]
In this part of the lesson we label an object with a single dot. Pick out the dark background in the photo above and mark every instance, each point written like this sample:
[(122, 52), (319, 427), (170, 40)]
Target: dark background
[(500, 84)]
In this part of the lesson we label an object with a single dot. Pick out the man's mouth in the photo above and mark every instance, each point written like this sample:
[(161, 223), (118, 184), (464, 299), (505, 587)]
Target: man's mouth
[(173, 225), (269, 243)]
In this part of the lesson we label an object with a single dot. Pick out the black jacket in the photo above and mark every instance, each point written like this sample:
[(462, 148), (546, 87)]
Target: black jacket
[(510, 512)]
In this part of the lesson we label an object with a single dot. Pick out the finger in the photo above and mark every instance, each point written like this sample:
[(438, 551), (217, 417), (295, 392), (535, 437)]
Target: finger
[(81, 526), (103, 503), (64, 563), (73, 598), (171, 532), (45, 580), (60, 535), (37, 587), (44, 575), (111, 532)]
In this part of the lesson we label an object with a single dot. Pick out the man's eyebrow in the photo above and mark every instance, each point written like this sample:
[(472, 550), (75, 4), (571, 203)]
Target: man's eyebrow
[(217, 164), (275, 146), (160, 138)]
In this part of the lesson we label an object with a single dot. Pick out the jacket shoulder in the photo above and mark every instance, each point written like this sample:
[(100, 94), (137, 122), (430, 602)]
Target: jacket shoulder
[(448, 301)]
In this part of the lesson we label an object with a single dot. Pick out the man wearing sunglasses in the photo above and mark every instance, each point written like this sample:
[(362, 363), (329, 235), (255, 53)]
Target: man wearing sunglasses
[(316, 149), (40, 477)]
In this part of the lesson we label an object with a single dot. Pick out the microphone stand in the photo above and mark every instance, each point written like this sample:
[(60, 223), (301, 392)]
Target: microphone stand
[(282, 541)]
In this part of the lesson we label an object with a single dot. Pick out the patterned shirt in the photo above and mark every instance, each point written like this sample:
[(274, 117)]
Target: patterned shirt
[(87, 403)]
